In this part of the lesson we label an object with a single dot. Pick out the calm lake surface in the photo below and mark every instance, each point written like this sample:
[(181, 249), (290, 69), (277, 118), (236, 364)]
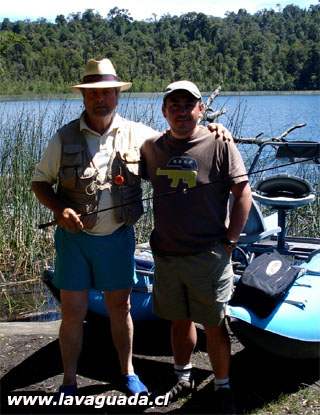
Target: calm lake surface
[(247, 115)]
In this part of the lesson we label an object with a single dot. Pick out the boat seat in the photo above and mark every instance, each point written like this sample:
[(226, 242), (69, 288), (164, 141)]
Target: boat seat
[(283, 192), (257, 227)]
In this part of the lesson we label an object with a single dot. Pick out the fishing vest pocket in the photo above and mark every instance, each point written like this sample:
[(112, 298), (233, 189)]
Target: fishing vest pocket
[(132, 198), (77, 188), (68, 177), (72, 155), (71, 158), (78, 179), (129, 193), (129, 166)]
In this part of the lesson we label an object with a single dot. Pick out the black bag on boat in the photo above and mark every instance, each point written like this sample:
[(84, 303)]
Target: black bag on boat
[(264, 283)]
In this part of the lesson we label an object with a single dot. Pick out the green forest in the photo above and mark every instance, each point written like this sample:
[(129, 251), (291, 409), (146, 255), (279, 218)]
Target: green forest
[(266, 51)]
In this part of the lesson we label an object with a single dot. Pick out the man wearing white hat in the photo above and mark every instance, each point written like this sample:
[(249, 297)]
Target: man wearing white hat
[(96, 162)]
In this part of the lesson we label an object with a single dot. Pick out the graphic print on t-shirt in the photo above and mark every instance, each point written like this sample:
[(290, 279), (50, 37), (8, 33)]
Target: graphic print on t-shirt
[(181, 168)]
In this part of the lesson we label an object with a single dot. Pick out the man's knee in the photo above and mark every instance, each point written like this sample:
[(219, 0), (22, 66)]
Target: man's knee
[(118, 301), (217, 333), (74, 305), (183, 324)]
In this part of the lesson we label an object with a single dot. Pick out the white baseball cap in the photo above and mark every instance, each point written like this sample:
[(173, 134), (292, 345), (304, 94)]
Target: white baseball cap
[(182, 85)]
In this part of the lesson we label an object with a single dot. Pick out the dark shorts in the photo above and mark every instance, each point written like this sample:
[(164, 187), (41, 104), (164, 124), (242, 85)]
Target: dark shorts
[(103, 262), (194, 286)]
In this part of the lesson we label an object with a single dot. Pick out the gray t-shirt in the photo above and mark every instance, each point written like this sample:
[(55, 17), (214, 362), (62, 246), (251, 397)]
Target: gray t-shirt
[(191, 221)]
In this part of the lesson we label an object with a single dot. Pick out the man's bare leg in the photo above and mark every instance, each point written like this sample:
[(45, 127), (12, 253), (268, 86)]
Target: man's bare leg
[(118, 305), (74, 307)]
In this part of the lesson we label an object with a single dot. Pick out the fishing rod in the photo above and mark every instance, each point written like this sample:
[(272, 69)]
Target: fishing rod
[(184, 191), (54, 222)]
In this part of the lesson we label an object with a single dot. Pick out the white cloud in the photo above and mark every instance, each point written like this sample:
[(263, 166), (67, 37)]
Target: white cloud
[(139, 9)]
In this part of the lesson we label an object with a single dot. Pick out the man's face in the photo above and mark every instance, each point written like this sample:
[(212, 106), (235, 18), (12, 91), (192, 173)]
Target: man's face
[(100, 102), (182, 110)]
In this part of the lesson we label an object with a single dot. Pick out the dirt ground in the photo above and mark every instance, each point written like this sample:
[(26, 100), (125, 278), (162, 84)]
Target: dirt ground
[(30, 365)]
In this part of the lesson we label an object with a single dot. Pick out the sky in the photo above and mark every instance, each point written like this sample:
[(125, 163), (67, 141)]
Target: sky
[(139, 9)]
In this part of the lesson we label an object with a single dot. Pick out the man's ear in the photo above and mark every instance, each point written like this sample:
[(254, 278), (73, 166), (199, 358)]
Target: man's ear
[(201, 107), (163, 109)]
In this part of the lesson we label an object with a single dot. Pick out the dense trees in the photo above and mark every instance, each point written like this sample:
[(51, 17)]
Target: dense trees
[(270, 50)]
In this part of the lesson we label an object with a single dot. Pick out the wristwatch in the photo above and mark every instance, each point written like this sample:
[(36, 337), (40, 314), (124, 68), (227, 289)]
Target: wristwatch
[(227, 242)]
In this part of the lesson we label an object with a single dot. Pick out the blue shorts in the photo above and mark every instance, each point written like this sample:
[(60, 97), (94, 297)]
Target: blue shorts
[(86, 261)]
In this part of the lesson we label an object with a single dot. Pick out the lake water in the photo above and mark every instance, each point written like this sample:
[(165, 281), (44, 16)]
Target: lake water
[(246, 116)]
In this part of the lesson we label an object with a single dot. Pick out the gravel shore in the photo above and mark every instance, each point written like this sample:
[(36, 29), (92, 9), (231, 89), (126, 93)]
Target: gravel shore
[(31, 366)]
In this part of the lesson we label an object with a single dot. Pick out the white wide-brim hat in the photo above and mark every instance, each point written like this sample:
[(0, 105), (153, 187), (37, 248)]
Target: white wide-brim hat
[(100, 74)]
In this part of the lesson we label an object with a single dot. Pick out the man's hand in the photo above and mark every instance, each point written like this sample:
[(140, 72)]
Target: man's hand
[(220, 130), (69, 219), (64, 216), (228, 250)]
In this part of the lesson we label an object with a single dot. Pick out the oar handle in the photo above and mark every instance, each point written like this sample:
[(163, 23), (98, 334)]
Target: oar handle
[(46, 225)]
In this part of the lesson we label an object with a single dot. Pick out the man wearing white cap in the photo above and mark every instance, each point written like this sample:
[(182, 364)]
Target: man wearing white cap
[(95, 160), (194, 234)]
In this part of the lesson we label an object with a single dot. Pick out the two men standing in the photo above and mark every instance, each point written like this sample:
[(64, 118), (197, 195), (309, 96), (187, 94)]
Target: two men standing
[(193, 233)]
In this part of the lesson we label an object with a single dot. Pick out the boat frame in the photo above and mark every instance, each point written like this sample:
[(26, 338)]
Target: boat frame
[(297, 247)]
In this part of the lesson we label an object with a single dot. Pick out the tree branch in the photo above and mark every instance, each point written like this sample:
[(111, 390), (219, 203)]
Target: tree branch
[(207, 108), (210, 115), (258, 142), (213, 116)]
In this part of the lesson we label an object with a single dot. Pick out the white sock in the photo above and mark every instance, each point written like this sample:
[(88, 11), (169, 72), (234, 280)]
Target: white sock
[(221, 383), (183, 371)]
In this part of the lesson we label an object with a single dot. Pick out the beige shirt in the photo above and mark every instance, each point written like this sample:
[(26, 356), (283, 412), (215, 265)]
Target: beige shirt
[(100, 148)]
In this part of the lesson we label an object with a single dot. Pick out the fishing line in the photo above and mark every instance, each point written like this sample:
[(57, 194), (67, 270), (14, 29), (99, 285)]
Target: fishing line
[(184, 191)]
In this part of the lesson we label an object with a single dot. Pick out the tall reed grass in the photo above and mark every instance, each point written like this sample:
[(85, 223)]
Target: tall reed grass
[(24, 250), (23, 138)]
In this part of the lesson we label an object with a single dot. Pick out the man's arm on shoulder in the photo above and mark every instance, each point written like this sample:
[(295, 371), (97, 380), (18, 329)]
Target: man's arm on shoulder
[(221, 131)]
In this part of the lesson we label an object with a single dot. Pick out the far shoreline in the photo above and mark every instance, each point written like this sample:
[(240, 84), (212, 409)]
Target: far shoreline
[(46, 97)]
